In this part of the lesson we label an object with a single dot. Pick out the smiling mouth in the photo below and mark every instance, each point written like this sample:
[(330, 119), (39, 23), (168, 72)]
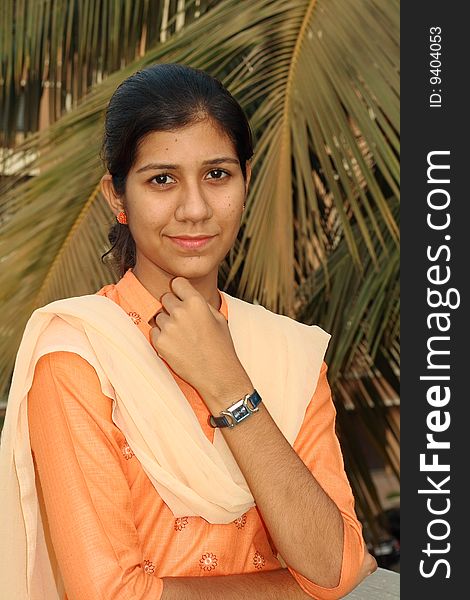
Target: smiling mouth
[(192, 243)]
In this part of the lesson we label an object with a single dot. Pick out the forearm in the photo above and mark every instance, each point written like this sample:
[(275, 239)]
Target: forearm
[(270, 585), (304, 523)]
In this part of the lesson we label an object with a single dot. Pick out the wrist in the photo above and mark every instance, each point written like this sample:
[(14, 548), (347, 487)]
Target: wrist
[(237, 412), (225, 393)]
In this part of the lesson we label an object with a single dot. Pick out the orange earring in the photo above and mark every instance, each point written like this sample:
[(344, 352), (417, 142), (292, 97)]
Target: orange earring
[(122, 218)]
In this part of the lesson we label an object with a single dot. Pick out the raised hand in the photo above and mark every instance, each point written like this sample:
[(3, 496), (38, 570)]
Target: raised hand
[(194, 340)]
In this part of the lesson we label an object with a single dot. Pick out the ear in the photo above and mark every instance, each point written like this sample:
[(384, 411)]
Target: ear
[(248, 176), (107, 188)]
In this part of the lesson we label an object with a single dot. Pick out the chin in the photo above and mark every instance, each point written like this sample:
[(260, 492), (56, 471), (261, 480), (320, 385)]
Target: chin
[(193, 271)]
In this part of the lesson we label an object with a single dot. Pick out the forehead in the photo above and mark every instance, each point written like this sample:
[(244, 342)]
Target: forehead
[(191, 143)]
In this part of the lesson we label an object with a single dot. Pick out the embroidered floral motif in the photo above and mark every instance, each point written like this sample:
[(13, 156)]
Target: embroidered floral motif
[(127, 451), (181, 523), (149, 567), (208, 561), (258, 560), (135, 317), (240, 522)]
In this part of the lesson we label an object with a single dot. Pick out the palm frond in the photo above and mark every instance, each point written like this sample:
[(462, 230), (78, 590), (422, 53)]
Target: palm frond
[(58, 49), (319, 80), (316, 93), (360, 307), (296, 124)]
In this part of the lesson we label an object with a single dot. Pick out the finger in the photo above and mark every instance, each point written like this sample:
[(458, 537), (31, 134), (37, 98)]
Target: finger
[(154, 335), (161, 319), (154, 339), (182, 288), (170, 301)]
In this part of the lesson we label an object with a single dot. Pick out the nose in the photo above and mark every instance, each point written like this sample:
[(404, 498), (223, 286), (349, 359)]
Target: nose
[(193, 205)]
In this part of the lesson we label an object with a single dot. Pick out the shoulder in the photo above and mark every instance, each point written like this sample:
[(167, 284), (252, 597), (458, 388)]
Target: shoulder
[(63, 365), (67, 375), (88, 307), (269, 319)]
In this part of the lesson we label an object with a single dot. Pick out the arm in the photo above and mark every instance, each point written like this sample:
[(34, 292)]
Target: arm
[(318, 447), (313, 525), (271, 585), (86, 494), (309, 514)]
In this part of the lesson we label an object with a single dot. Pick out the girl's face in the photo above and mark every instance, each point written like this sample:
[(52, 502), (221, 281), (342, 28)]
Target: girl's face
[(185, 183)]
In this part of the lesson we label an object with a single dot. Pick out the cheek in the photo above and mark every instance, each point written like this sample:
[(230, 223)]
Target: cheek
[(150, 218), (233, 203), (230, 216)]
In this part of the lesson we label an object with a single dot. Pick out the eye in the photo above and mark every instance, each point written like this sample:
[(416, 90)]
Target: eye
[(162, 179), (218, 174)]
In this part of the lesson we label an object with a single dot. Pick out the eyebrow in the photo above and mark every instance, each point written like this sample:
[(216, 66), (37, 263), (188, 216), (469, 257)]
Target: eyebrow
[(211, 161)]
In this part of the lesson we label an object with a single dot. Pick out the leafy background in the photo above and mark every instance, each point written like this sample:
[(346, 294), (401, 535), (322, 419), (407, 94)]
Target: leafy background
[(319, 80)]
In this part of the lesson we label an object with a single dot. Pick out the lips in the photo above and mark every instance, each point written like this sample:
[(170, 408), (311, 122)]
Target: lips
[(192, 242)]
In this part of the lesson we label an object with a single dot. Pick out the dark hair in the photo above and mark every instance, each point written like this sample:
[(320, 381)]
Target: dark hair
[(163, 97)]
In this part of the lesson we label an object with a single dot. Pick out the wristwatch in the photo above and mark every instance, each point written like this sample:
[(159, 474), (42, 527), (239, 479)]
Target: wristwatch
[(239, 411)]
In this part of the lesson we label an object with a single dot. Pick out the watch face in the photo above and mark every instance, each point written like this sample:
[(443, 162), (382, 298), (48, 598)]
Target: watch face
[(240, 412)]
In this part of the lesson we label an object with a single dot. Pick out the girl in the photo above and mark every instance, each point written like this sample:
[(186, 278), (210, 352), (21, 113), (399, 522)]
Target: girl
[(181, 441)]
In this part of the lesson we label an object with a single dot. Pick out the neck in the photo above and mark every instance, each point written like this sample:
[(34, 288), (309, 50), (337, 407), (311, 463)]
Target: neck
[(157, 282)]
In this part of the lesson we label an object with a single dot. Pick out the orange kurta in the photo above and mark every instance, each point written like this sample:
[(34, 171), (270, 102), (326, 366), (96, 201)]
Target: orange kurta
[(113, 535)]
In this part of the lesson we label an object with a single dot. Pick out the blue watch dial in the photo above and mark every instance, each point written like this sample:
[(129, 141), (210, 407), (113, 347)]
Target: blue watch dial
[(237, 412)]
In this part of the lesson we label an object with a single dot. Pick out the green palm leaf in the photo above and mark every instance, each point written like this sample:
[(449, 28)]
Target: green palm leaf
[(61, 48), (319, 241)]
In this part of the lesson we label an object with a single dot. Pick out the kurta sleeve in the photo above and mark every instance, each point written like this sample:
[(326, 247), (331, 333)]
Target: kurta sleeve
[(318, 446), (79, 462)]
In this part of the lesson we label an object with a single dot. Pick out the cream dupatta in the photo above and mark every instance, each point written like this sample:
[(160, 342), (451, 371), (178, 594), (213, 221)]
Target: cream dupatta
[(194, 477)]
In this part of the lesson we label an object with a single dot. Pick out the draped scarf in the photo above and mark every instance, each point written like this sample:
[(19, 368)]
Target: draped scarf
[(193, 476)]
